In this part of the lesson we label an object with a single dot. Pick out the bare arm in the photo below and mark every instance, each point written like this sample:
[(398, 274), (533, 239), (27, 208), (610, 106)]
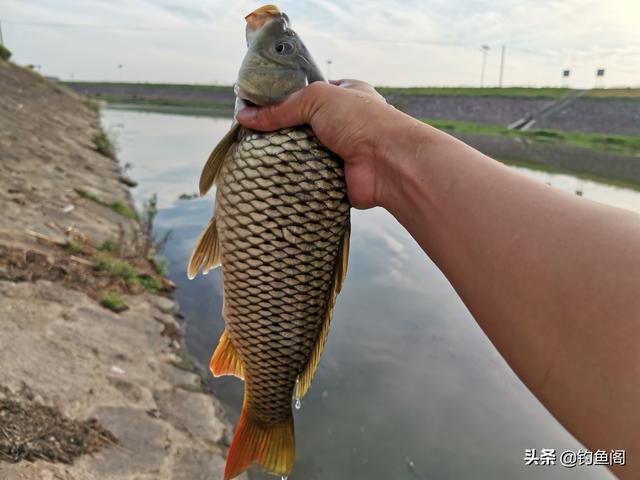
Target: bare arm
[(552, 279)]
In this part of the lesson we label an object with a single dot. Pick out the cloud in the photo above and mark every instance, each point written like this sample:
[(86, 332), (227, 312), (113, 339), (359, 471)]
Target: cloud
[(388, 42)]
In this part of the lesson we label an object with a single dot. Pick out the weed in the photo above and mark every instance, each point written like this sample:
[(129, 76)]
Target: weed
[(123, 209), (149, 283), (161, 266), (75, 247), (103, 144), (5, 53), (114, 302), (109, 246), (599, 141), (117, 206), (103, 262)]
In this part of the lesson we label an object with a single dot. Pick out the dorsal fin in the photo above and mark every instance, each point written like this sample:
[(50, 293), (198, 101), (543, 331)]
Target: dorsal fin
[(340, 271), (206, 252), (213, 166)]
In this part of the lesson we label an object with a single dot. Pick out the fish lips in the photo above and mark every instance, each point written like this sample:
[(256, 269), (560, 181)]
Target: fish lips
[(274, 86)]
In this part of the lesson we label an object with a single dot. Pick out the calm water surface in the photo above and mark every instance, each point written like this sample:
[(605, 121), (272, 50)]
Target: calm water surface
[(408, 387)]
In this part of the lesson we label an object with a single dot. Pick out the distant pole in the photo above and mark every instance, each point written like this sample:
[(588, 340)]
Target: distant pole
[(501, 65), (1, 38), (329, 62), (484, 49)]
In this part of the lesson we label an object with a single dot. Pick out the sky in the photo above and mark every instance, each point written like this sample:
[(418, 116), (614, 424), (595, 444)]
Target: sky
[(386, 42)]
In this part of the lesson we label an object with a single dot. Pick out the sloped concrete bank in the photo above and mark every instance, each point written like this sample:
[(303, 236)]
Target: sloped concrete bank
[(72, 254)]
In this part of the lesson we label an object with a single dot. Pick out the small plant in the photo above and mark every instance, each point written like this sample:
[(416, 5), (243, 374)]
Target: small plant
[(115, 267), (75, 247), (104, 145), (114, 302), (161, 266), (5, 53), (103, 262), (147, 218), (88, 195), (149, 283), (117, 206), (92, 104), (123, 209), (109, 245)]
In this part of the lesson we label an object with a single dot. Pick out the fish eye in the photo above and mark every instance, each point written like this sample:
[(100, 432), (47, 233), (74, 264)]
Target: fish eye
[(284, 48)]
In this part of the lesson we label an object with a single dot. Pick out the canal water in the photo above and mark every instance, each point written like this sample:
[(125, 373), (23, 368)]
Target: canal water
[(408, 387)]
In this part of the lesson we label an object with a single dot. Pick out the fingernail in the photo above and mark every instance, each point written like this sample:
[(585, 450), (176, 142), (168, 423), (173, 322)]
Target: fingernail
[(247, 114)]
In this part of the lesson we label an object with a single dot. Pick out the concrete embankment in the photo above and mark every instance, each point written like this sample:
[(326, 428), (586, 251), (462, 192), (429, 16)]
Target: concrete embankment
[(593, 112), (85, 392)]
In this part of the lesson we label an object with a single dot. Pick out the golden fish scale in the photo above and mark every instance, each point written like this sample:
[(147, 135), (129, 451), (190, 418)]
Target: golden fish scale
[(281, 211)]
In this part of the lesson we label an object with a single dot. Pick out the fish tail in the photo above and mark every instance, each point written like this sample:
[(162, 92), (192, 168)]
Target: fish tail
[(271, 446)]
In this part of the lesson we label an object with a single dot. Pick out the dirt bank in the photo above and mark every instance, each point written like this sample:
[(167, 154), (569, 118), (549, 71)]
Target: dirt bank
[(86, 393)]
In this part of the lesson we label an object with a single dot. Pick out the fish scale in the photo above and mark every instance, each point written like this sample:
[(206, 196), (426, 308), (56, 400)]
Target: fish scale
[(281, 211)]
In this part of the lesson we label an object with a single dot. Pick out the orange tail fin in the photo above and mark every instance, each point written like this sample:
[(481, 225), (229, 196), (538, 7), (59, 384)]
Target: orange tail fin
[(271, 446)]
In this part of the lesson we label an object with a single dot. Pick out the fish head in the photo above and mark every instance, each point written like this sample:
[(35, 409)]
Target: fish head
[(277, 62)]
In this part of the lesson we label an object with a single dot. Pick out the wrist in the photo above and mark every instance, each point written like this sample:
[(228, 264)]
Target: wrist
[(404, 153)]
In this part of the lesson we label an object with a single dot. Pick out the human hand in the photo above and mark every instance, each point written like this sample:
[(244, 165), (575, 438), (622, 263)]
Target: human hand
[(350, 118)]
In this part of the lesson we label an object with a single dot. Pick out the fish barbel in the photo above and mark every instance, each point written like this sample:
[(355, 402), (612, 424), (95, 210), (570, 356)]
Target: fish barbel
[(281, 233)]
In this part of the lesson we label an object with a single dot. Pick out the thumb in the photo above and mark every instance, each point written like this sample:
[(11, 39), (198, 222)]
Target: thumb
[(296, 109)]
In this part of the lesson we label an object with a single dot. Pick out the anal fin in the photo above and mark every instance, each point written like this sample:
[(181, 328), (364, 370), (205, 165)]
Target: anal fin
[(206, 252), (340, 271), (225, 360)]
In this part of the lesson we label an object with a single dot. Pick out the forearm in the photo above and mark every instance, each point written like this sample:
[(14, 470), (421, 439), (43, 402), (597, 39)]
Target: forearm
[(553, 280)]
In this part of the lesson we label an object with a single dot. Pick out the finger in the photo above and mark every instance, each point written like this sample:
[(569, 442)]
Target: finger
[(297, 109)]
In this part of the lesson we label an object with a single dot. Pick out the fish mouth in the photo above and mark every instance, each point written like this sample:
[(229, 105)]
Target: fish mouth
[(247, 98), (251, 98)]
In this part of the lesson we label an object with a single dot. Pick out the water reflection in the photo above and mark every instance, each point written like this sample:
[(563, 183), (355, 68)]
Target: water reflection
[(408, 387)]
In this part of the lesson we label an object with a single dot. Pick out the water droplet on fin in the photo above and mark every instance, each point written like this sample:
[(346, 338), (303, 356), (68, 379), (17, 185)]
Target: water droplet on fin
[(298, 404)]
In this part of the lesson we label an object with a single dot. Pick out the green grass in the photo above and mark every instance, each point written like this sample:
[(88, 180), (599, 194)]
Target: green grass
[(109, 246), (544, 92), (161, 266), (608, 93), (166, 86), (115, 267), (5, 53), (599, 141), (167, 102), (103, 144), (123, 209), (149, 283), (114, 302), (75, 247), (541, 92), (117, 206)]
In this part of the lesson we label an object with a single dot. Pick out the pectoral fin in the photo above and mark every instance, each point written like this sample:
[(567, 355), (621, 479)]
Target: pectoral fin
[(340, 271), (207, 251), (214, 164)]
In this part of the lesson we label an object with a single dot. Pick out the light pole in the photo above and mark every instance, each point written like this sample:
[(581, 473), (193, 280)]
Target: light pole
[(485, 49), (329, 62), (502, 65)]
